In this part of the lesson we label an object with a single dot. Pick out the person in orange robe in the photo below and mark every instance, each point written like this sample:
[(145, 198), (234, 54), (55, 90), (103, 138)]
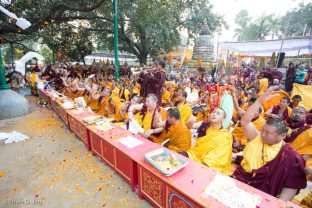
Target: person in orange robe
[(103, 102), (115, 105), (175, 131), (146, 117)]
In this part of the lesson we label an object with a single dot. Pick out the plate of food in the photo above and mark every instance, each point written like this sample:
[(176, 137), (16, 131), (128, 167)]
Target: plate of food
[(165, 161), (92, 119)]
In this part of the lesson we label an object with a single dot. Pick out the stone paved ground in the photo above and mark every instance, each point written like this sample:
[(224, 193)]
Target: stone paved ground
[(54, 169)]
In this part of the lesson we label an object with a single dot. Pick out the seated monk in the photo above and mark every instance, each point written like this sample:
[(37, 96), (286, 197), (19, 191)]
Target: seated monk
[(103, 102), (213, 149), (176, 131), (279, 111), (124, 93), (270, 164), (125, 108), (146, 116), (300, 134), (165, 97), (115, 105), (72, 89), (295, 101), (184, 107)]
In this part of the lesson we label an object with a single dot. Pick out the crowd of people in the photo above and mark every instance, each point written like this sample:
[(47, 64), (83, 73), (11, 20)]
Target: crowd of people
[(268, 144)]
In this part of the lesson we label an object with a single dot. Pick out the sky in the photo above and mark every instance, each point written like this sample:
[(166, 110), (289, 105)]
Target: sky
[(256, 8)]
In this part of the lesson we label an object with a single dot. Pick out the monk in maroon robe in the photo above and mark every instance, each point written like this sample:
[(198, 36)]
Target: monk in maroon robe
[(280, 173), (153, 82), (281, 110)]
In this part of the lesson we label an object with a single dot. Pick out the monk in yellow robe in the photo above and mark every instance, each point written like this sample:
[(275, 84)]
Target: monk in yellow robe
[(146, 117), (124, 93), (103, 100), (136, 89), (123, 110), (184, 107), (176, 131), (115, 104), (268, 163), (165, 97), (33, 79), (93, 102), (300, 134), (215, 148), (300, 138)]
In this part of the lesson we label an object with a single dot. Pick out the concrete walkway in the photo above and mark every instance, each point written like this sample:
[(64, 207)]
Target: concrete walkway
[(54, 169)]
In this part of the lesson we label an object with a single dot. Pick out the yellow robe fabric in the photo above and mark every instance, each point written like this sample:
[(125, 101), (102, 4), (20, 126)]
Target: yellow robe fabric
[(171, 91), (166, 97), (147, 121), (109, 85), (214, 150), (115, 94), (238, 133), (32, 78), (104, 104), (185, 111), (305, 92), (307, 201), (179, 135), (127, 94), (303, 142), (253, 154), (93, 104), (274, 101), (117, 116), (264, 84)]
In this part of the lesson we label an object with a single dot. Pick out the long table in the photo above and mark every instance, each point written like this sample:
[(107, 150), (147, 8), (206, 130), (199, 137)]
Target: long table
[(106, 145), (183, 189)]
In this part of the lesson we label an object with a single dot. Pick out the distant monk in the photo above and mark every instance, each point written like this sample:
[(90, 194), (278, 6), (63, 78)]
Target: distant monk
[(153, 82), (270, 164)]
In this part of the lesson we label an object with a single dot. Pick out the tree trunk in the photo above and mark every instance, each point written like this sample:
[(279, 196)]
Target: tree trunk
[(143, 58)]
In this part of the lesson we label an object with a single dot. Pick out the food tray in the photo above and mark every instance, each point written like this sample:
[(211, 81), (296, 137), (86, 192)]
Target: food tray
[(163, 155), (92, 119)]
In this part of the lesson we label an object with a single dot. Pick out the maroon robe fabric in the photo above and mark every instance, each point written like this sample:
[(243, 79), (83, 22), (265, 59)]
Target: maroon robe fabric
[(309, 118), (285, 170), (201, 131), (58, 82), (155, 85), (49, 72), (276, 110), (143, 80)]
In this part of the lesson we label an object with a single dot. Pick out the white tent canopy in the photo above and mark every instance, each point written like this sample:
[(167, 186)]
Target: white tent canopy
[(20, 65), (291, 47)]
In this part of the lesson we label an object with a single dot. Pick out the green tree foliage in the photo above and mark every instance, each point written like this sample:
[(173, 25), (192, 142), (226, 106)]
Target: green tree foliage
[(41, 12), (295, 21), (148, 26), (258, 29), (271, 26), (72, 43), (145, 26)]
